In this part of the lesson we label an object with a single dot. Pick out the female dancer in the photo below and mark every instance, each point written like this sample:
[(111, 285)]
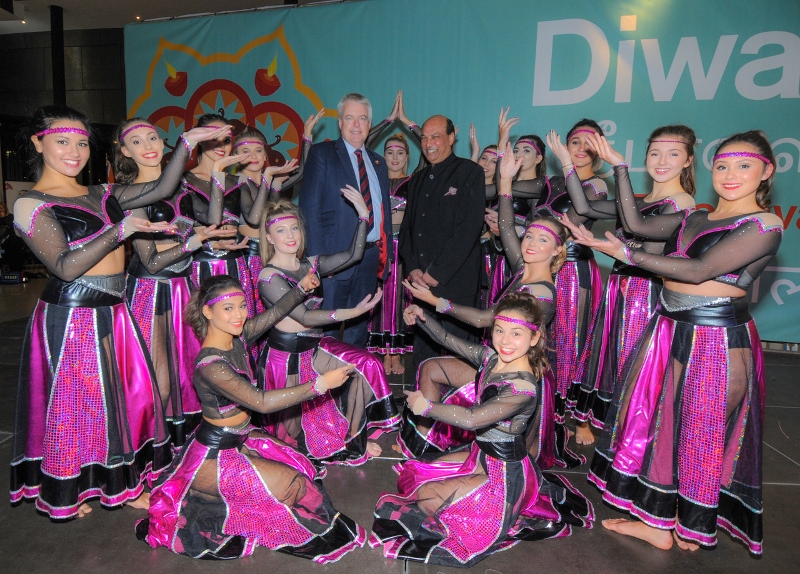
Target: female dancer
[(89, 418), (158, 277), (681, 448), (389, 334), (526, 189), (332, 428), (631, 293), (534, 260), (466, 505), (579, 283), (487, 159), (232, 488), (211, 208)]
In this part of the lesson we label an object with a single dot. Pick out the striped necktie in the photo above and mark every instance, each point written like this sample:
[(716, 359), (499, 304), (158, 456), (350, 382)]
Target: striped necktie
[(363, 182)]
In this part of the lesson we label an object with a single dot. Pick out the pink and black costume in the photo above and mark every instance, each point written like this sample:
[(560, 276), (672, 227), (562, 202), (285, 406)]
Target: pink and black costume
[(158, 289), (462, 380), (630, 300), (89, 419), (514, 501), (332, 428), (683, 434), (232, 489), (580, 286)]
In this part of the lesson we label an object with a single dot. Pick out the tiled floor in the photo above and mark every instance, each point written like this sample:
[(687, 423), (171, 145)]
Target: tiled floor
[(104, 540)]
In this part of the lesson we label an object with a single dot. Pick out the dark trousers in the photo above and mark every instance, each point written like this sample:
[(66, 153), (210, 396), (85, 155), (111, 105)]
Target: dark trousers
[(347, 293), (425, 347)]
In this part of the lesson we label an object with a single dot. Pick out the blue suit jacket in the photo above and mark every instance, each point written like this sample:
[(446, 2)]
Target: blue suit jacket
[(331, 220)]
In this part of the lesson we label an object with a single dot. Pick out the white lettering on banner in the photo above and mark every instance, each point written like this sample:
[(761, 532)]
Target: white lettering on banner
[(687, 55), (789, 84), (601, 58), (663, 84), (776, 285), (784, 160)]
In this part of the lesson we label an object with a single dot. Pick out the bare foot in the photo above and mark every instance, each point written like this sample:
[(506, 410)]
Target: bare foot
[(373, 448), (684, 544), (387, 364), (397, 365), (659, 538), (84, 509), (583, 434), (142, 502)]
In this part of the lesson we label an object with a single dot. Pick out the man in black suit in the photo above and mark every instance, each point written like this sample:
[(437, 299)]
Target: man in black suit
[(331, 221), (440, 235)]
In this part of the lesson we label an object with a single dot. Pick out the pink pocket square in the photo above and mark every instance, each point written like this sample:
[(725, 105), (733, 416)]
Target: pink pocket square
[(451, 191)]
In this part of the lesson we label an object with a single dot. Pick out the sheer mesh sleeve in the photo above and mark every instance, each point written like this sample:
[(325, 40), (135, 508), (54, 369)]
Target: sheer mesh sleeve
[(142, 194), (298, 174), (589, 200), (216, 374), (263, 322), (330, 264), (43, 234), (749, 246), (253, 209), (273, 287), (206, 213), (510, 401), (472, 352), (154, 260), (652, 227), (376, 131), (508, 233)]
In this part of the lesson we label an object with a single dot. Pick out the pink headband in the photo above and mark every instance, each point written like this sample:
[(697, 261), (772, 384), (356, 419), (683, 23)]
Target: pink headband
[(250, 142), (530, 326), (135, 127), (584, 132), (281, 218), (490, 152), (669, 141), (225, 296), (398, 146), (548, 230), (62, 131), (763, 158), (532, 144)]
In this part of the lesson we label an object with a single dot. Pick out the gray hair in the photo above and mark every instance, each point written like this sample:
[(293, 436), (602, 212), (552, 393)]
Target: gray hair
[(358, 98)]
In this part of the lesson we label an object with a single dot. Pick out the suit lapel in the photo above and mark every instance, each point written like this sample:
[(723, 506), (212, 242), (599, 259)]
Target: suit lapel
[(347, 165)]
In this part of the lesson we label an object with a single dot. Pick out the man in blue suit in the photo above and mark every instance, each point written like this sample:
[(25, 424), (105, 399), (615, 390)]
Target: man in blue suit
[(331, 221)]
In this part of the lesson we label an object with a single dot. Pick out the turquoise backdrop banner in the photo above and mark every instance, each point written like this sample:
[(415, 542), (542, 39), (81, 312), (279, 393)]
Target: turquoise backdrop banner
[(632, 66)]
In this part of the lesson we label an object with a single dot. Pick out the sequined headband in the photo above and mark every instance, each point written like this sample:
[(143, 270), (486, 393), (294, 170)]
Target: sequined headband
[(532, 144), (281, 218), (245, 142), (584, 132), (490, 152), (49, 131), (135, 127), (530, 326), (397, 146), (224, 296), (669, 141), (548, 230), (763, 158)]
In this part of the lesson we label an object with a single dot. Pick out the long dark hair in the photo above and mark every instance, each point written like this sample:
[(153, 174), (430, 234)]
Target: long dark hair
[(758, 140), (686, 134), (541, 167), (126, 170), (200, 297), (41, 120), (528, 306), (585, 123)]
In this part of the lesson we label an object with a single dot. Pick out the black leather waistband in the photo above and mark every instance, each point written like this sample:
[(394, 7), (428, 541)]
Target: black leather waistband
[(577, 252), (291, 342), (626, 270), (511, 451), (203, 255), (720, 315), (73, 294), (140, 272), (216, 437)]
